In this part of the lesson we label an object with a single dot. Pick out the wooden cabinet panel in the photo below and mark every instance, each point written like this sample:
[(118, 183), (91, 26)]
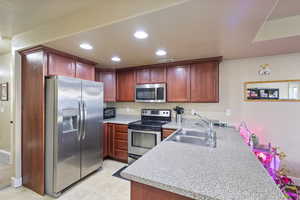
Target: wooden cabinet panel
[(143, 76), (158, 74), (121, 145), (85, 71), (33, 109), (121, 136), (178, 80), (60, 65), (151, 75), (167, 132), (109, 81), (121, 128), (145, 192), (121, 155), (105, 141), (126, 85), (121, 142), (205, 82), (111, 135)]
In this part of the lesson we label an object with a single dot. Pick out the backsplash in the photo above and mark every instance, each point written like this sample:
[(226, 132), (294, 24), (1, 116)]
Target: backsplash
[(211, 110)]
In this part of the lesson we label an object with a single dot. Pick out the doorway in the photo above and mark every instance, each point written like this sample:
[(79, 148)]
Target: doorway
[(6, 166)]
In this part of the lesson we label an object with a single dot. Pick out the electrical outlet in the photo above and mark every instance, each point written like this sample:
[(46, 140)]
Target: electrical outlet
[(193, 111), (228, 112)]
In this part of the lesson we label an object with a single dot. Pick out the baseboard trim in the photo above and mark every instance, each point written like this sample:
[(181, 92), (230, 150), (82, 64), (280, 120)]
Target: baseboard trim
[(16, 182), (5, 156)]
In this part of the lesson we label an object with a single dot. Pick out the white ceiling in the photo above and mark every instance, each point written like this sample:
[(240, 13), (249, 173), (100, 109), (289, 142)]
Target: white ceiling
[(195, 29), (18, 16), (285, 8)]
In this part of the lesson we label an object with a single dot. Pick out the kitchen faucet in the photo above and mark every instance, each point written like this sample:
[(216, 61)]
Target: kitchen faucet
[(211, 132)]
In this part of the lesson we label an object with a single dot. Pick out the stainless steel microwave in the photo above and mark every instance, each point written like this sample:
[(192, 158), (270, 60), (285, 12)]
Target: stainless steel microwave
[(150, 93)]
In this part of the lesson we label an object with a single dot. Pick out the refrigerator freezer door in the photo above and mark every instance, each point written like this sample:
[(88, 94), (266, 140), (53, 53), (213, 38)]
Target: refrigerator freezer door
[(67, 135), (92, 134)]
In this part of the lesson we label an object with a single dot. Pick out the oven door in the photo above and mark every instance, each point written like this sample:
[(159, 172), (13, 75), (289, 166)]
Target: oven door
[(139, 142)]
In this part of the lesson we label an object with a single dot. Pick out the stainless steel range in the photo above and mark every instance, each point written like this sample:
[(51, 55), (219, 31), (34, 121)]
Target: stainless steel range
[(146, 133)]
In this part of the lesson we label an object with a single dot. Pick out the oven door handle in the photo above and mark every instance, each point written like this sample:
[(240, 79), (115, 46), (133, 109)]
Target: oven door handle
[(140, 131)]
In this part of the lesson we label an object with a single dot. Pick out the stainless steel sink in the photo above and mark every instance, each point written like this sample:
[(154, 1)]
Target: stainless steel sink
[(192, 137), (193, 133)]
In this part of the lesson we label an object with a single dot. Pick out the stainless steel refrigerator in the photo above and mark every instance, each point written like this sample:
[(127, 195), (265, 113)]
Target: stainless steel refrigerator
[(74, 120)]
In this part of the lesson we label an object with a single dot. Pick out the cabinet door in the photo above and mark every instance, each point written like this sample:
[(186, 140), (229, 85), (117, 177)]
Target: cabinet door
[(126, 85), (109, 80), (105, 141), (85, 71), (158, 74), (60, 65), (205, 82), (143, 76), (111, 133), (178, 80), (121, 143)]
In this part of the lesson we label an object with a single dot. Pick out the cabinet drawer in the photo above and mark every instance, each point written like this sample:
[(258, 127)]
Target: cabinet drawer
[(168, 132), (121, 136), (121, 145), (121, 155), (121, 128)]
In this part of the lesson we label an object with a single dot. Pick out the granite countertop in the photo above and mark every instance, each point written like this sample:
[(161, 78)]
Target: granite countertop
[(228, 172), (122, 119)]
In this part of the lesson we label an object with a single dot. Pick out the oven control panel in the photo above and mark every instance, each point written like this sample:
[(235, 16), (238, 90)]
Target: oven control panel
[(156, 112)]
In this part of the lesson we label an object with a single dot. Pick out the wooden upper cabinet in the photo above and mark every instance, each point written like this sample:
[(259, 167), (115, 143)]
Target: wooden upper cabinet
[(60, 65), (85, 71), (109, 81), (143, 76), (205, 82), (126, 85), (151, 75), (158, 74), (178, 83)]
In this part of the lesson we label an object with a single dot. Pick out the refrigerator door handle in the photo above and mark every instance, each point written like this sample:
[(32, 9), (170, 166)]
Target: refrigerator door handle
[(84, 120), (81, 120)]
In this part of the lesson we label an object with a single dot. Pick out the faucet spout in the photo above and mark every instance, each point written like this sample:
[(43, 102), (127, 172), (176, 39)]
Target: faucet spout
[(211, 131)]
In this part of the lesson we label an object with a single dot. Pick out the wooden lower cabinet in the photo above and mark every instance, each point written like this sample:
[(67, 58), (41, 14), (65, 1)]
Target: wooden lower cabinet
[(108, 140), (121, 143), (167, 132), (116, 142), (140, 191)]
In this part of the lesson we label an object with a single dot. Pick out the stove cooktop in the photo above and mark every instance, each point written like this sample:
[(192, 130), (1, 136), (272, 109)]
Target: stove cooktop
[(147, 125)]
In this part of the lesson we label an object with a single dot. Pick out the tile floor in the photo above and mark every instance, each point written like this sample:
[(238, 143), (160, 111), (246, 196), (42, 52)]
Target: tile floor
[(99, 186), (6, 172)]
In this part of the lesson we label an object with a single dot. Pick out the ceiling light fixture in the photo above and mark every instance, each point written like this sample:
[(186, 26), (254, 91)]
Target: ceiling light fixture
[(86, 46), (161, 52), (140, 34), (116, 59)]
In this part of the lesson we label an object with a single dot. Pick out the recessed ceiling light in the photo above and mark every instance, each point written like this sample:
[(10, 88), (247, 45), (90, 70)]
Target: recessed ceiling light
[(86, 46), (140, 34), (161, 52), (116, 59)]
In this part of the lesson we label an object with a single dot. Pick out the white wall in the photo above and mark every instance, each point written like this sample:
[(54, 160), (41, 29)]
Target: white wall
[(275, 122), (5, 106)]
